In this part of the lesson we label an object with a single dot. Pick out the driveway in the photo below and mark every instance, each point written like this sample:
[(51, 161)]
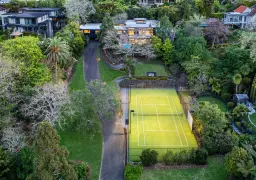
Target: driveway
[(112, 167)]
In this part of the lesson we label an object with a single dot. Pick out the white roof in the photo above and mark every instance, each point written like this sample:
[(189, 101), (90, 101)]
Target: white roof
[(148, 23), (91, 26)]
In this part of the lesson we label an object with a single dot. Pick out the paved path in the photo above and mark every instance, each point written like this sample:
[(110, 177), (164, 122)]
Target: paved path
[(112, 167), (91, 69)]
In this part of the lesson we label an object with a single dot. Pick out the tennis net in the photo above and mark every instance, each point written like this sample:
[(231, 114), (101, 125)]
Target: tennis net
[(157, 114)]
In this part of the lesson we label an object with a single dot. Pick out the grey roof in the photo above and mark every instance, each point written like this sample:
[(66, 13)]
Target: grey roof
[(27, 14), (140, 19), (40, 9), (241, 96), (91, 26)]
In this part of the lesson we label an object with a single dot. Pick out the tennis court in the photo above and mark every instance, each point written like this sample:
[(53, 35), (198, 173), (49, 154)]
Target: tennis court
[(158, 122)]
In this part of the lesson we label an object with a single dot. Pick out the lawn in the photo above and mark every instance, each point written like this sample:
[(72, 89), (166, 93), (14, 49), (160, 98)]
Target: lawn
[(215, 170), (253, 118), (158, 122), (150, 66), (108, 74), (214, 100), (77, 81), (82, 147)]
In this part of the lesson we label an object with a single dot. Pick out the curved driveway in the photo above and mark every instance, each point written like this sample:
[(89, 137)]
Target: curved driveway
[(112, 167)]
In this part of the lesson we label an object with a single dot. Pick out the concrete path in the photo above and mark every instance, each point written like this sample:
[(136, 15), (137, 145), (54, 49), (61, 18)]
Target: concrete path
[(112, 167)]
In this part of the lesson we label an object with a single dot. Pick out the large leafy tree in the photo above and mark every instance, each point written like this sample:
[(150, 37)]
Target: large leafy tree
[(165, 28), (130, 64), (107, 25), (248, 40), (27, 54), (79, 10), (167, 51), (58, 54), (51, 160)]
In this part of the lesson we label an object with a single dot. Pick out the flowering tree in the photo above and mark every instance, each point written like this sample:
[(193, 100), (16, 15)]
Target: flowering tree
[(79, 10)]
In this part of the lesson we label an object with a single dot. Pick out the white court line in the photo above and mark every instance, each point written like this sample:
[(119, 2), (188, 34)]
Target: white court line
[(142, 120), (165, 145), (137, 121), (158, 118), (175, 122), (179, 121), (162, 130)]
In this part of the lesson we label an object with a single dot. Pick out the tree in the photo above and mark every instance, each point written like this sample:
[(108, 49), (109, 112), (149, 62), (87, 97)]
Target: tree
[(27, 54), (46, 103), (157, 45), (239, 111), (24, 162), (4, 163), (237, 155), (167, 51), (104, 102), (130, 64), (247, 169), (165, 28), (148, 157), (237, 78), (79, 113), (13, 139), (107, 25), (208, 7), (51, 160), (248, 40), (58, 53), (215, 83), (79, 10), (216, 33)]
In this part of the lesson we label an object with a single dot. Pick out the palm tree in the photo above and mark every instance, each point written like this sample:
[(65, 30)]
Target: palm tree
[(196, 19), (130, 64), (58, 53), (237, 78)]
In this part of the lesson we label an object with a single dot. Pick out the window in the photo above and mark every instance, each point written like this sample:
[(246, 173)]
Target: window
[(131, 32), (231, 19), (87, 31), (97, 31), (17, 20)]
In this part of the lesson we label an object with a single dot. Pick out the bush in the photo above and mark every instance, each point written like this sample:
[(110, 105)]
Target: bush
[(230, 105), (83, 171), (168, 158), (200, 156), (132, 172), (148, 157)]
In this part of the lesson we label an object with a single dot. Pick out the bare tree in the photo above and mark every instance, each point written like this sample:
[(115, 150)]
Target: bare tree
[(216, 32), (13, 139), (46, 103), (79, 10)]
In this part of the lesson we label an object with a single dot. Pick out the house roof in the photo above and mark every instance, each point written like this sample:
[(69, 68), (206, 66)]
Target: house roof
[(241, 96), (254, 6), (27, 14), (2, 8), (240, 9), (253, 12), (40, 9), (91, 26)]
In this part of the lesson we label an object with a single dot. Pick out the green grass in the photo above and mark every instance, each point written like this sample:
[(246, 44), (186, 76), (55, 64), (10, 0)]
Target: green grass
[(211, 99), (77, 81), (142, 68), (253, 118), (151, 130), (82, 147), (214, 171), (108, 74)]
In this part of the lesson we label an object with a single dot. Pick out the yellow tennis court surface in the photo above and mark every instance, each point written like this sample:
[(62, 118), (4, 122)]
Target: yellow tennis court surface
[(158, 122)]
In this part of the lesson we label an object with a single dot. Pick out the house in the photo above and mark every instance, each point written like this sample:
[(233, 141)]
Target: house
[(2, 11), (138, 30), (55, 14), (152, 2), (242, 17), (37, 22), (241, 99)]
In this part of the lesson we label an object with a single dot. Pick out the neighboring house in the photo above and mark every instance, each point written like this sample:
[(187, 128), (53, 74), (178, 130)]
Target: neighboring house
[(37, 22), (2, 11), (56, 15), (138, 30), (242, 17), (152, 2)]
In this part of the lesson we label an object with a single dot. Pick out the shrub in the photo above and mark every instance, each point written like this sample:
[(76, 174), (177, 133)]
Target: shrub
[(168, 158), (230, 105), (83, 171), (132, 172), (148, 157), (184, 156), (200, 156)]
